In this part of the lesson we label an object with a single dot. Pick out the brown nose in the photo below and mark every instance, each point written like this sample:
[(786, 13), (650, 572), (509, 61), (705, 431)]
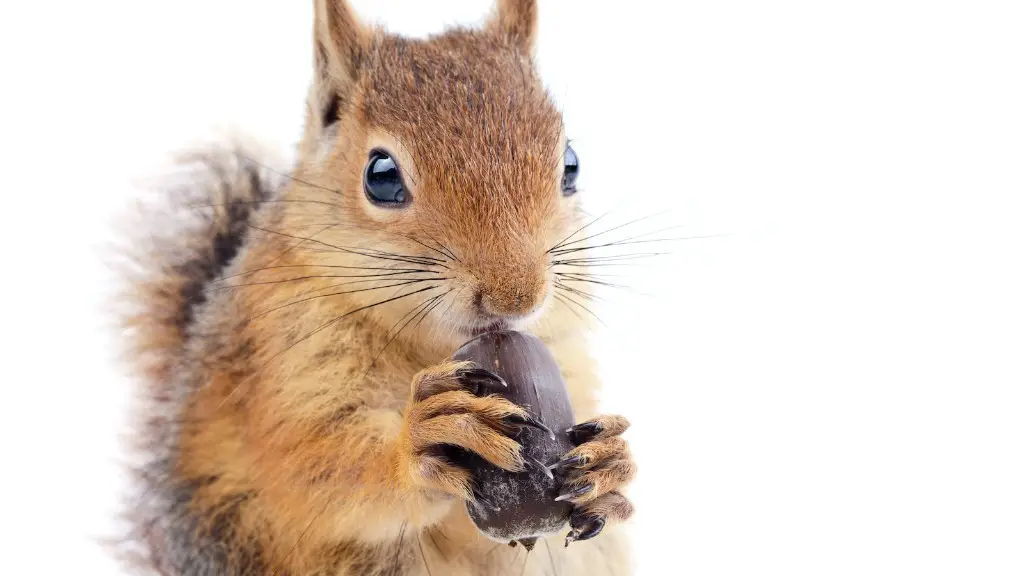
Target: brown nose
[(511, 296)]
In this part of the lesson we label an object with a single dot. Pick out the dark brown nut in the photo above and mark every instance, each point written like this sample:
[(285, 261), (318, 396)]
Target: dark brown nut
[(521, 506)]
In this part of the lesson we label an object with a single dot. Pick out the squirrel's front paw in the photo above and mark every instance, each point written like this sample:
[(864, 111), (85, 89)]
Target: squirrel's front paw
[(453, 405), (594, 471)]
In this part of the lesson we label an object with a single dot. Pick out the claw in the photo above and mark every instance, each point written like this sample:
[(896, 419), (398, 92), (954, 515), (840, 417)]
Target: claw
[(540, 466), (581, 433), (483, 379), (575, 493), (579, 534), (529, 420), (566, 463)]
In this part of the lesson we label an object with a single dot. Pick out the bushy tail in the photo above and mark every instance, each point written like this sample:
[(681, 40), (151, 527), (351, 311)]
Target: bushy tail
[(177, 241), (184, 237)]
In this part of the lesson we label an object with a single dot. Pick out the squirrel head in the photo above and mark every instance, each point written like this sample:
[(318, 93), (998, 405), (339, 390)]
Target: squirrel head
[(447, 149)]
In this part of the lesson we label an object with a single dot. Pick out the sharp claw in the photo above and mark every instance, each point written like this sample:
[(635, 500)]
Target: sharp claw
[(580, 433), (584, 528), (483, 379), (575, 493), (575, 460), (529, 420), (594, 530), (540, 465)]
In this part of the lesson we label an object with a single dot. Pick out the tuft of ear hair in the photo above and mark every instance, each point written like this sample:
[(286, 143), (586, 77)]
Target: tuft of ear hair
[(341, 33), (516, 20), (340, 41)]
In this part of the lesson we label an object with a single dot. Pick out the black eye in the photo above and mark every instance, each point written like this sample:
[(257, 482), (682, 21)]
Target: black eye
[(570, 172), (383, 181)]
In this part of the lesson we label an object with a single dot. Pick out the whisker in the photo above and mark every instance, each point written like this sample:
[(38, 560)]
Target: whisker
[(564, 277), (421, 260), (446, 255), (625, 287), (411, 314), (430, 533), (588, 275), (374, 251), (255, 270), (308, 183), (315, 331), (630, 241), (445, 249), (588, 310), (289, 176), (611, 258), (301, 278), (423, 554), (599, 265), (430, 309), (337, 285), (584, 274), (665, 229), (292, 247), (631, 222), (566, 304), (302, 535), (452, 303), (245, 202), (441, 248), (577, 231), (583, 294), (398, 546), (320, 242), (404, 283)]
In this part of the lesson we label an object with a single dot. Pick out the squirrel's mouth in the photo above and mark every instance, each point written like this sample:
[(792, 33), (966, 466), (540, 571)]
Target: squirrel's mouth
[(493, 326)]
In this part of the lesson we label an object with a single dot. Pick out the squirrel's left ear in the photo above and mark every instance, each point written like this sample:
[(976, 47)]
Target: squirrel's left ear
[(517, 21)]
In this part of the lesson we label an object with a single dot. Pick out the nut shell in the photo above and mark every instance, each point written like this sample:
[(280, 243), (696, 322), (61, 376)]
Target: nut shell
[(521, 506)]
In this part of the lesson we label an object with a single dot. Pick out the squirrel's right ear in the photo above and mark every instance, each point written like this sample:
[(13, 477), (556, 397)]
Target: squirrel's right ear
[(516, 20), (340, 43)]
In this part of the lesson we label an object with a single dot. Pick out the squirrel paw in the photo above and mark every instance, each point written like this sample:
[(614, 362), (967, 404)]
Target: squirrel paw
[(453, 405), (594, 471)]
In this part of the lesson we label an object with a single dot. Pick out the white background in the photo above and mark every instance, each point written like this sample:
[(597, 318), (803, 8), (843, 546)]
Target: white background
[(833, 388)]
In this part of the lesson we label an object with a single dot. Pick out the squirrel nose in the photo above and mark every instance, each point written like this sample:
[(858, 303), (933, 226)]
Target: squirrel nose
[(513, 298)]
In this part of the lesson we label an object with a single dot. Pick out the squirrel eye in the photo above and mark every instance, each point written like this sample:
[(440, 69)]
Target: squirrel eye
[(382, 180), (570, 171)]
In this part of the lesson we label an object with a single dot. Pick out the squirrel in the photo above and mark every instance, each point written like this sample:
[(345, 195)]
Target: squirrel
[(291, 330)]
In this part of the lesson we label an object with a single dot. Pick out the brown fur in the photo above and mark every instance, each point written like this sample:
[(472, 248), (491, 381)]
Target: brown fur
[(292, 427)]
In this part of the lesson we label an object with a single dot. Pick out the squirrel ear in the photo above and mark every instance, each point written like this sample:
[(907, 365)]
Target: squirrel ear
[(340, 41), (516, 20)]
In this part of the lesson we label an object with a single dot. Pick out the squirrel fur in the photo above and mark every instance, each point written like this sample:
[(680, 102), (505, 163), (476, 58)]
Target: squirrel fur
[(292, 338)]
